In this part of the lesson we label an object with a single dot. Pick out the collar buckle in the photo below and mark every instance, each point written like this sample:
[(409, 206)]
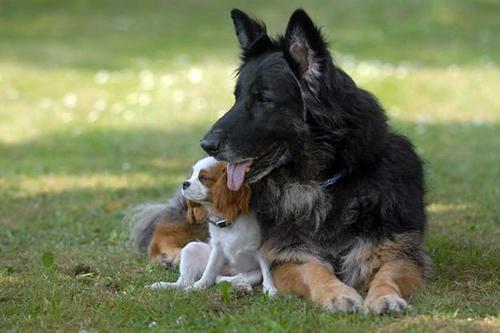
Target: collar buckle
[(218, 222), (331, 181)]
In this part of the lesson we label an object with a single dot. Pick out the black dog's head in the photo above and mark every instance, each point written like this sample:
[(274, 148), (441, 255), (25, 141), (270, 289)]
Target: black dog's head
[(266, 123), (286, 89)]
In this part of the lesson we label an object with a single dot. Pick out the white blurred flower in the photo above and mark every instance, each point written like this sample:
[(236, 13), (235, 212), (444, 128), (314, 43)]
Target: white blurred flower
[(195, 75), (422, 119), (132, 98), (401, 72), (367, 70), (70, 100), (454, 70), (76, 132), (478, 121), (101, 77), (167, 80), (128, 116), (46, 103), (125, 166), (94, 116), (147, 79), (394, 110), (199, 104), (100, 104), (12, 93), (421, 128), (67, 117), (117, 108), (179, 96), (144, 99)]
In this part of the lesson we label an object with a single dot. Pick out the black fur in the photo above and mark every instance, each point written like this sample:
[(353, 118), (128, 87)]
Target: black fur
[(302, 120)]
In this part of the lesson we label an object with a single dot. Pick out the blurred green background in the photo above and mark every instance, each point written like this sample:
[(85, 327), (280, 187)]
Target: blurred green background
[(102, 104)]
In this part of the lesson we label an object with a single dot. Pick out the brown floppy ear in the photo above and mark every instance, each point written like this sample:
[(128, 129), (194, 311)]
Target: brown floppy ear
[(195, 212), (230, 203)]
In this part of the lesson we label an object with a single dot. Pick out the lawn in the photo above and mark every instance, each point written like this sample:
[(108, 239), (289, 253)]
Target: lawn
[(102, 105)]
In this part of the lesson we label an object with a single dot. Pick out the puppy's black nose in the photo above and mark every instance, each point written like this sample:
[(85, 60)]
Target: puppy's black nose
[(211, 143), (185, 185)]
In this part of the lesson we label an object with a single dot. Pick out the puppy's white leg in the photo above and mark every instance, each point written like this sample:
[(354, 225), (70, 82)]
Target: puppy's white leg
[(214, 267), (242, 280), (267, 278), (194, 258)]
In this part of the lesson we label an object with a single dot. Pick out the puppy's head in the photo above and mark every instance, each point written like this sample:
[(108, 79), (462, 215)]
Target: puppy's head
[(208, 186)]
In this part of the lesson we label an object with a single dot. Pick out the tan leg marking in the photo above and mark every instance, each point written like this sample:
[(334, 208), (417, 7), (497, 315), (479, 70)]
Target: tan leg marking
[(394, 281), (315, 281)]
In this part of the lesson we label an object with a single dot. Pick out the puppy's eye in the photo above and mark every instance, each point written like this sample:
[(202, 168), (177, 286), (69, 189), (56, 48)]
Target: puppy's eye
[(203, 178)]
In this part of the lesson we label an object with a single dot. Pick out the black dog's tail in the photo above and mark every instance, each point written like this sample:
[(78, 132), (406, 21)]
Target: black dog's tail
[(142, 220)]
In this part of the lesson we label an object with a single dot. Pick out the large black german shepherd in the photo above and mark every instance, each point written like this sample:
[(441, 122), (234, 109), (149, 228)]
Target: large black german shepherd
[(339, 195)]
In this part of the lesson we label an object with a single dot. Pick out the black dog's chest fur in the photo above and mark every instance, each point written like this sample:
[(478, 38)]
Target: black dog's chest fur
[(370, 206)]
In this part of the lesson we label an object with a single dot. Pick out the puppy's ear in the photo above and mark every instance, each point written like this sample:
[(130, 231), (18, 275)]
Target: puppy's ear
[(305, 47), (195, 212), (251, 34), (230, 203)]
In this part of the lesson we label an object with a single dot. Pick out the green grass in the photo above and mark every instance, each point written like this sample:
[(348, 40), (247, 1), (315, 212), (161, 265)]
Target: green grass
[(102, 104)]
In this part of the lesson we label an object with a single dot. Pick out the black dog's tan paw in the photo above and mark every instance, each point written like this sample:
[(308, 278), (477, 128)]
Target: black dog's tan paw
[(351, 302), (386, 304)]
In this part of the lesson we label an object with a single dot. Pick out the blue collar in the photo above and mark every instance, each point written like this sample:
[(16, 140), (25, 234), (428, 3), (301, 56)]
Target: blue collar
[(331, 181)]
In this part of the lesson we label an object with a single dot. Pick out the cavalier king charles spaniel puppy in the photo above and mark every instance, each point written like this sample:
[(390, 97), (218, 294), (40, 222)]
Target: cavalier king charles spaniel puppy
[(235, 235)]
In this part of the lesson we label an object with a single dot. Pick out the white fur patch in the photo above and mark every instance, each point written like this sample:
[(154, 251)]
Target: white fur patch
[(197, 191)]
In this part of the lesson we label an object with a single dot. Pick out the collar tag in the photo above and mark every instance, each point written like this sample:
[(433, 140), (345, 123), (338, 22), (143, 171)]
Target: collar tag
[(218, 222), (331, 181)]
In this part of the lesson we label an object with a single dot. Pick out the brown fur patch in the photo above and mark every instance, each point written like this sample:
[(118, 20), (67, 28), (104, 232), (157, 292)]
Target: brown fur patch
[(366, 258), (397, 278), (230, 204), (283, 256), (195, 212), (315, 281), (169, 239)]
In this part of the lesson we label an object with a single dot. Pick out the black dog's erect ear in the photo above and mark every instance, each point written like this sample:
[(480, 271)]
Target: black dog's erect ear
[(248, 30), (305, 45)]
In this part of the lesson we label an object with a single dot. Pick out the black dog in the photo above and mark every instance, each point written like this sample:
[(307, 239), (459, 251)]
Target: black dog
[(339, 195)]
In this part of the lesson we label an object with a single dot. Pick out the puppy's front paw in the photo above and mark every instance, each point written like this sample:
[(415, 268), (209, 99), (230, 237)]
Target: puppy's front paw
[(271, 291), (242, 285), (386, 303), (223, 278), (198, 285), (162, 285)]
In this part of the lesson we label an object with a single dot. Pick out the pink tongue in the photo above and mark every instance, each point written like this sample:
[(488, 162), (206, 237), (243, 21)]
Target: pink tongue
[(236, 175)]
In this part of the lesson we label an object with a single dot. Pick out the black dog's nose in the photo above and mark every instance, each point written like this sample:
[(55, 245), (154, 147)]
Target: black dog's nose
[(212, 142), (210, 146), (185, 185)]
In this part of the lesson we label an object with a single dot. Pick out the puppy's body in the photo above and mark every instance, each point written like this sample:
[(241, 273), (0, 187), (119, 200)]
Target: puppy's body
[(239, 242), (235, 239)]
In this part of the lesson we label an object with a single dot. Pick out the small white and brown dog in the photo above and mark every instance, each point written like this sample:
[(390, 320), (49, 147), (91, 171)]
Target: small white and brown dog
[(235, 236)]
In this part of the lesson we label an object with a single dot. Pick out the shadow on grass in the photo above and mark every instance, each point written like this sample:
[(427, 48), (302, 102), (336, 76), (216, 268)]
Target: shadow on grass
[(462, 169), (104, 150)]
